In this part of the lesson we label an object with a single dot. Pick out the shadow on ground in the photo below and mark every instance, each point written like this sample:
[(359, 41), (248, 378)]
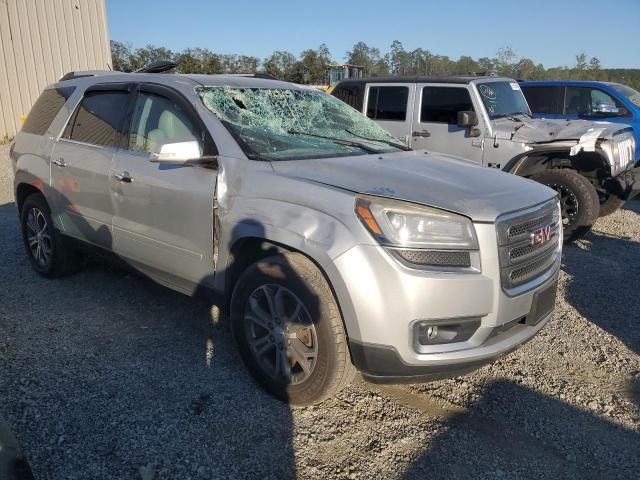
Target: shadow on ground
[(500, 438), (112, 376), (612, 263)]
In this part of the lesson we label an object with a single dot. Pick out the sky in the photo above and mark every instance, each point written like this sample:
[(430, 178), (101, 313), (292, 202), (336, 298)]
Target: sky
[(550, 32)]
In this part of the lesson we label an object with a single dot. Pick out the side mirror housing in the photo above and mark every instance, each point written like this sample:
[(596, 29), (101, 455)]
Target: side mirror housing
[(606, 109), (467, 118), (180, 153)]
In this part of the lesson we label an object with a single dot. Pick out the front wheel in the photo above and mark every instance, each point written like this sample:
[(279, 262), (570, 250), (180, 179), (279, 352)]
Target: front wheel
[(289, 330), (578, 200)]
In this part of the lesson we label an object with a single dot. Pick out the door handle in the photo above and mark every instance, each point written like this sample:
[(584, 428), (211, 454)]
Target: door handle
[(123, 177), (60, 162), (423, 133)]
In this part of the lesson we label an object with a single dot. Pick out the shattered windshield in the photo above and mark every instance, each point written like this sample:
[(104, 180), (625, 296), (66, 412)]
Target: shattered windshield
[(287, 124), (502, 99), (630, 94)]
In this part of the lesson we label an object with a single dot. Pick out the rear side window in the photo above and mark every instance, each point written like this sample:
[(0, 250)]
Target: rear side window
[(45, 110), (442, 104), (388, 103), (351, 95), (544, 99), (98, 118)]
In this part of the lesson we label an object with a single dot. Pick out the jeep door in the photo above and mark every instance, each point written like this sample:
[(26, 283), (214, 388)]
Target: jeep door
[(388, 104), (435, 121), (163, 219), (81, 163)]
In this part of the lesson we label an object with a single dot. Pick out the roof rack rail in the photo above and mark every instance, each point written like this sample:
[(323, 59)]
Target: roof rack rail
[(159, 66), (262, 75), (85, 73)]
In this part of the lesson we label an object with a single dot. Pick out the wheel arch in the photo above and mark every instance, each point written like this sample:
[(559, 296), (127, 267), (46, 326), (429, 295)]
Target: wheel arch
[(247, 250), (24, 190), (590, 164)]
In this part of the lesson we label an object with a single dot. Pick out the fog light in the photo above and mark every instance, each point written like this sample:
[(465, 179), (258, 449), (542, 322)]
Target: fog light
[(432, 333), (438, 332)]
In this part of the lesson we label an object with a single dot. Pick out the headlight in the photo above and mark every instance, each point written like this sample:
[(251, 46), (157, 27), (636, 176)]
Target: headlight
[(402, 224), (621, 152)]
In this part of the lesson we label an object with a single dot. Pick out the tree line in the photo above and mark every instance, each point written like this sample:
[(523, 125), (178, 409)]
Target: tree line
[(310, 67)]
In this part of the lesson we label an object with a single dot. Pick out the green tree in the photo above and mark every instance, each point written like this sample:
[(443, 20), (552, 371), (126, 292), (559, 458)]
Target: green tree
[(315, 64), (145, 55), (369, 58), (505, 61), (281, 65), (120, 56), (398, 58), (466, 66)]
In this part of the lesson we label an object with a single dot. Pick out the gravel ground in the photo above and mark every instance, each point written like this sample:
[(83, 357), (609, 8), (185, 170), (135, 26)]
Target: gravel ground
[(106, 375)]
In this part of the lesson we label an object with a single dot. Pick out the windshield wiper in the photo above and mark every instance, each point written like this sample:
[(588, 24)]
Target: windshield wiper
[(511, 116), (388, 142), (339, 141)]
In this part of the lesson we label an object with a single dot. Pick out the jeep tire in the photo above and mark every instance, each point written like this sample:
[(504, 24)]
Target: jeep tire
[(578, 200)]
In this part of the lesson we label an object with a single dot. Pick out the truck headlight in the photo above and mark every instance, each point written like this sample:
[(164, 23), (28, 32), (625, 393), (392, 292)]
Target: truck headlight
[(421, 235), (621, 152)]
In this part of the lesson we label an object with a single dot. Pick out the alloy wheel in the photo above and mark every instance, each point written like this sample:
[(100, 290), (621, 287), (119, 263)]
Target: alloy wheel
[(280, 334), (39, 237)]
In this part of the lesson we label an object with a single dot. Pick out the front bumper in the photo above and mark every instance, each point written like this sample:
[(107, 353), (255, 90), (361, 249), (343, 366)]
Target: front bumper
[(384, 299), (626, 185)]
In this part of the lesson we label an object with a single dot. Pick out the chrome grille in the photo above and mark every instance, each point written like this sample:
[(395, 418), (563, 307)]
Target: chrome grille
[(626, 152), (521, 259)]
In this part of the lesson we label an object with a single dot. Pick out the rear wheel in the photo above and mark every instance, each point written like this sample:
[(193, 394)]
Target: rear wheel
[(578, 200), (47, 253), (289, 331)]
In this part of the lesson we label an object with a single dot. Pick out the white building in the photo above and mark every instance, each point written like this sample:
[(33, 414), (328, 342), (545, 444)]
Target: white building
[(40, 41)]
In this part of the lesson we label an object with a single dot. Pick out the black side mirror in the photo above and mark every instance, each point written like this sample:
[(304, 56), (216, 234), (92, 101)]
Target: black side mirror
[(467, 118)]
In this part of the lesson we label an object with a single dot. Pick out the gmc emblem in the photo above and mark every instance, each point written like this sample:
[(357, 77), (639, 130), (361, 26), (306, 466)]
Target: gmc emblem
[(541, 235)]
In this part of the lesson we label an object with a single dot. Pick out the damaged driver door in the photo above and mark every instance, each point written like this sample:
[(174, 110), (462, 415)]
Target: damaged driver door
[(163, 219)]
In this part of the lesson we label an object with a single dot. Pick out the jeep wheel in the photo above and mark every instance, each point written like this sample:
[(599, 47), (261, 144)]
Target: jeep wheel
[(289, 331), (578, 200), (47, 253)]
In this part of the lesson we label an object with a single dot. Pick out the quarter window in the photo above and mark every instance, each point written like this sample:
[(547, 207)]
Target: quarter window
[(442, 104), (388, 103), (157, 120), (45, 110), (98, 118)]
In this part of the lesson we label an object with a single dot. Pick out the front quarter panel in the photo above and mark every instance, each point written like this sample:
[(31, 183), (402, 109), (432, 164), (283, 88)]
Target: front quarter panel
[(314, 219)]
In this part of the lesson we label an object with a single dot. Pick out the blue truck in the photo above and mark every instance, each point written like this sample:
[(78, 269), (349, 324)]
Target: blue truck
[(611, 102)]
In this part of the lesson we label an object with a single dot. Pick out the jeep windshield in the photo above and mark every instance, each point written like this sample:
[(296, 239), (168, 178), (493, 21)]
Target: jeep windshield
[(289, 124), (503, 99), (630, 94)]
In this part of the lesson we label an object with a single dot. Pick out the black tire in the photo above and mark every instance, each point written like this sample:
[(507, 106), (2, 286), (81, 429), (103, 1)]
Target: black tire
[(578, 198), (296, 281), (611, 205), (54, 258)]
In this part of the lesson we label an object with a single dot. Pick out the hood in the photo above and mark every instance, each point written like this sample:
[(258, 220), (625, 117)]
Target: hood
[(440, 181), (538, 130)]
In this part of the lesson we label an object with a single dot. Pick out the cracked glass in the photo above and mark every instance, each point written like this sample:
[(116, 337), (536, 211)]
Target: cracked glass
[(293, 124)]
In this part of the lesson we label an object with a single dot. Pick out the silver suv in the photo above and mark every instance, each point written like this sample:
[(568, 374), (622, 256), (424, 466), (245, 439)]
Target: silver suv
[(487, 121), (327, 244)]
